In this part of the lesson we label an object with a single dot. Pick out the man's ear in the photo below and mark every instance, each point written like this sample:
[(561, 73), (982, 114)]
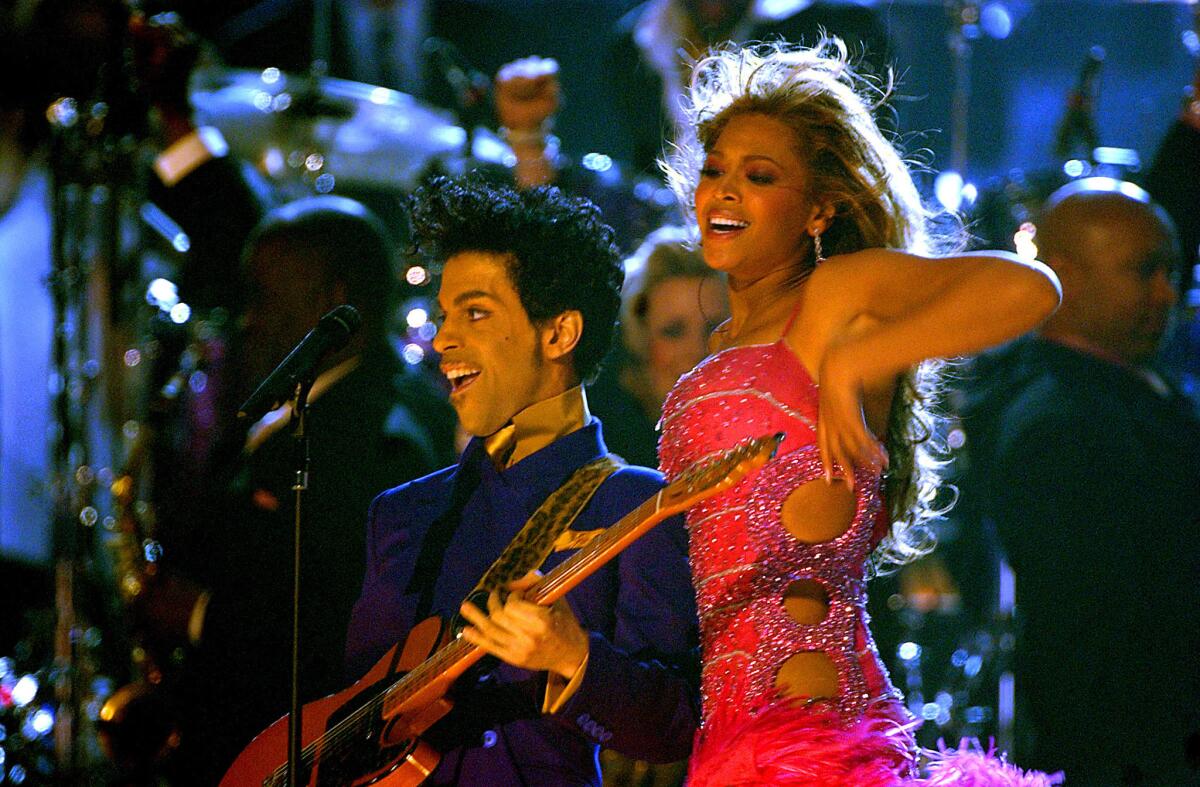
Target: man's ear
[(1071, 274), (561, 334)]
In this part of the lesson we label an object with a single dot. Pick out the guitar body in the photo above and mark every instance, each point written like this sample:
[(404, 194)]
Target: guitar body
[(373, 750)]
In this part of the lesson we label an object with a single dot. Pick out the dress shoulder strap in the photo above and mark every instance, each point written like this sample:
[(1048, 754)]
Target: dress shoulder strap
[(792, 317)]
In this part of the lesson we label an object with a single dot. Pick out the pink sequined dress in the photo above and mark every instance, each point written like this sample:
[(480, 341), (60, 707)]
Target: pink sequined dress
[(743, 560)]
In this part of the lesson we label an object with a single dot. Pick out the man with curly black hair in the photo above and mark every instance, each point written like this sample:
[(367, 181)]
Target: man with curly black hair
[(529, 292)]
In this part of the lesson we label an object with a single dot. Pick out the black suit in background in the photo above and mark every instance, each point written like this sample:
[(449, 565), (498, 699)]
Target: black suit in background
[(227, 514), (381, 425), (1091, 476), (1174, 182)]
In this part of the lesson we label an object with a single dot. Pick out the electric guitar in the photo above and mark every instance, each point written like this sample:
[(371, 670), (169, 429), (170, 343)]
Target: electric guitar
[(370, 732)]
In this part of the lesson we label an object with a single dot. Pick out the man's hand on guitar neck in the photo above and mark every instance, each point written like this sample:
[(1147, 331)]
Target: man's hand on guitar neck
[(528, 635)]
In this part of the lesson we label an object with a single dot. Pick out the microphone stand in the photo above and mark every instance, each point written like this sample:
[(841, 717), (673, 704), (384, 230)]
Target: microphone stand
[(300, 454)]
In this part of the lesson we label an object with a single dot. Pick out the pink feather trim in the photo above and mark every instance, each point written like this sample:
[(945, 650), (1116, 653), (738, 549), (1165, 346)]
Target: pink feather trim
[(792, 745), (971, 766)]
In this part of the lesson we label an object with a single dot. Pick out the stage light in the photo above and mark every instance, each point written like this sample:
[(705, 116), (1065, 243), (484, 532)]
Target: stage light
[(152, 550), (416, 318), (948, 188), (270, 75), (63, 112), (42, 721), (180, 313), (975, 714), (416, 275), (273, 162), (413, 354), (25, 690), (1076, 168), (1023, 241), (162, 293), (597, 162), (996, 20)]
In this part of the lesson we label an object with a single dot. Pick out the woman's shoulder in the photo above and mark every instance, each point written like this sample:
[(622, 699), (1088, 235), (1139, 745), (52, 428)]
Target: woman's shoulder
[(852, 281), (863, 262)]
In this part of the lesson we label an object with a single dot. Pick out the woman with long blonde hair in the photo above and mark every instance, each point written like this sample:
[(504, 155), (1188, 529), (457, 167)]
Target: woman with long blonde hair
[(839, 311)]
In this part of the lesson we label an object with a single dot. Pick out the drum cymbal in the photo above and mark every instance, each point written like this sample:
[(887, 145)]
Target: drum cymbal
[(297, 126)]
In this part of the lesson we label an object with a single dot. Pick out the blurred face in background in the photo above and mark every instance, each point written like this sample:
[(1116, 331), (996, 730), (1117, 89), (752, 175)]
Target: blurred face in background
[(1122, 285), (289, 293), (680, 313)]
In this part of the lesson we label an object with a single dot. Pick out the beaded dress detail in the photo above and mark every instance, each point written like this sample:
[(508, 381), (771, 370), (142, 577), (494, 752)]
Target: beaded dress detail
[(743, 561)]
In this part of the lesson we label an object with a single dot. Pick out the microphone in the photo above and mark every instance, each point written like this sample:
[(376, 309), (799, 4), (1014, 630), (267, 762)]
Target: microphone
[(332, 333)]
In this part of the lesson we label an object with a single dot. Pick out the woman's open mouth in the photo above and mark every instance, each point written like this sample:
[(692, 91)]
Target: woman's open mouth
[(725, 226)]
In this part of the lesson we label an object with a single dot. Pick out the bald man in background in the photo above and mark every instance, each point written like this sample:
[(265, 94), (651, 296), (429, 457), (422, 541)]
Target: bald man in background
[(1085, 462)]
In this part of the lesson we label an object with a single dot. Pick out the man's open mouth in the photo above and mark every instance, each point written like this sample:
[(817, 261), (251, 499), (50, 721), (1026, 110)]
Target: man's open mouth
[(460, 377)]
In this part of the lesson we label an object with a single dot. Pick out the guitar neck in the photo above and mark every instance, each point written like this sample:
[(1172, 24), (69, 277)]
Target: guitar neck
[(457, 656), (601, 549)]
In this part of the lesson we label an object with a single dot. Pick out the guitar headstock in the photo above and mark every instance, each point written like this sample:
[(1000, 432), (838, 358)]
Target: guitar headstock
[(718, 473)]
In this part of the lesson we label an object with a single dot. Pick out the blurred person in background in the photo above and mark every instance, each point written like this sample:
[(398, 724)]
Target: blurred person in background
[(527, 95), (373, 422), (1085, 460), (1173, 181), (670, 305)]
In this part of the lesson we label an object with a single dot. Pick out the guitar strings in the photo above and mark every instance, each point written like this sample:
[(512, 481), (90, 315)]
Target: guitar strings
[(333, 738)]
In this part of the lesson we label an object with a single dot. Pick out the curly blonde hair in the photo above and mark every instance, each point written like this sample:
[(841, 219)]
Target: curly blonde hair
[(665, 254), (855, 169)]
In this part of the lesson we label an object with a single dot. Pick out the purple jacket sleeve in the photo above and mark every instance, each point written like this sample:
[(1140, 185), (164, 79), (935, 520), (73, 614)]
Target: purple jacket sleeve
[(640, 695)]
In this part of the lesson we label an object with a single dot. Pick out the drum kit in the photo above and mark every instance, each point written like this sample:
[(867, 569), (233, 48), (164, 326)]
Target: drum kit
[(324, 132)]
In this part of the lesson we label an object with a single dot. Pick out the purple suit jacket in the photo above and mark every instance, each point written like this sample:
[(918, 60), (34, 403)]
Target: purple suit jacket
[(639, 694)]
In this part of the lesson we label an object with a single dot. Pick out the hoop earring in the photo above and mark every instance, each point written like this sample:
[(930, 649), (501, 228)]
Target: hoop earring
[(818, 254)]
